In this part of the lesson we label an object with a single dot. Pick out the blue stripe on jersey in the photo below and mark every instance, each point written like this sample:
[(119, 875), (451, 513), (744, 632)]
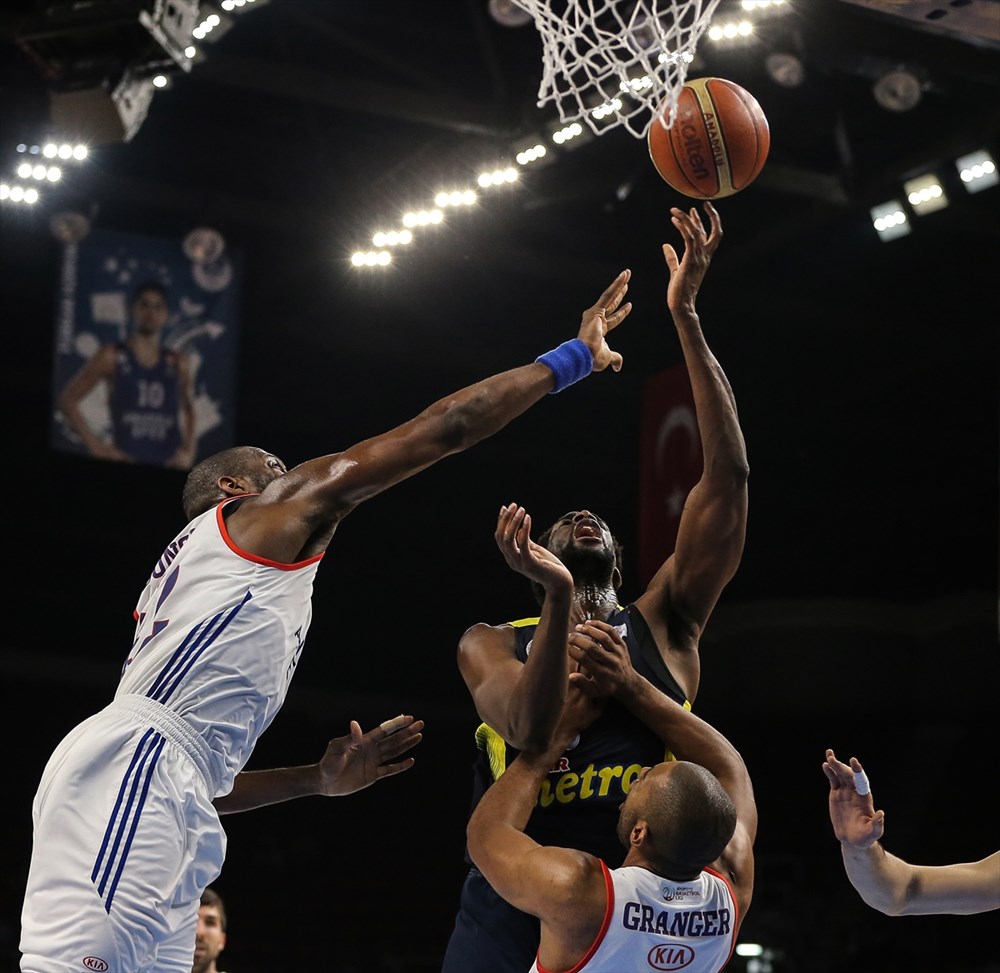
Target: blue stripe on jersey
[(150, 742), (181, 664), (154, 690), (188, 652)]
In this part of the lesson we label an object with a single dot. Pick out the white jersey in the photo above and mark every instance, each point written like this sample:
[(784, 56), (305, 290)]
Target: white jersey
[(652, 923), (217, 639)]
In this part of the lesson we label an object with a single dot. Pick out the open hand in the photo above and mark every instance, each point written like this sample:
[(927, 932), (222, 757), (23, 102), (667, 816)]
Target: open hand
[(853, 815), (354, 762), (603, 317), (537, 563), (687, 273)]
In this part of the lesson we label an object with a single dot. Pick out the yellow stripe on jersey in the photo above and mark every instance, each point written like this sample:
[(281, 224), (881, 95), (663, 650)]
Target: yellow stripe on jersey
[(491, 743)]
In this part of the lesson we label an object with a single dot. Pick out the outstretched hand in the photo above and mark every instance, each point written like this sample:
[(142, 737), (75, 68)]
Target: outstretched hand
[(687, 273), (513, 537), (603, 317), (354, 762), (853, 815)]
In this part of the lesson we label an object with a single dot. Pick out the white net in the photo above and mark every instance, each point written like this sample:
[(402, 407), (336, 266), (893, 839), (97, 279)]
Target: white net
[(613, 63)]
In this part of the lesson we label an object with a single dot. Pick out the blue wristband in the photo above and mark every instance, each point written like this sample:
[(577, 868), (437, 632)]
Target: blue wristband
[(570, 362)]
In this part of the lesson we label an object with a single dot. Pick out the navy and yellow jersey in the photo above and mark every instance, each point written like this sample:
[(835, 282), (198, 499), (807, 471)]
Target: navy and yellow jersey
[(578, 804)]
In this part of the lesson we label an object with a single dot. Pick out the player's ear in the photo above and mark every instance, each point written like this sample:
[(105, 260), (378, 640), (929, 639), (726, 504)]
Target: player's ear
[(638, 834), (232, 486), (616, 578)]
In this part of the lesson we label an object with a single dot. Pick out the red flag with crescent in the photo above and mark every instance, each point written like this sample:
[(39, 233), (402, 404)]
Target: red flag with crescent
[(670, 463)]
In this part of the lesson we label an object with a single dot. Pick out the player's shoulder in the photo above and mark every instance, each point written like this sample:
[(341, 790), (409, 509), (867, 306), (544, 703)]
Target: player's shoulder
[(523, 622)]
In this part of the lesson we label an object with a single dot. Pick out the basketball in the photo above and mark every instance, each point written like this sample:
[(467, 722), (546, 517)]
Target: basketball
[(718, 143)]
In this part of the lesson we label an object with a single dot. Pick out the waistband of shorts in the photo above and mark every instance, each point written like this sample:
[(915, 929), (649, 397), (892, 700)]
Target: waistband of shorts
[(175, 728)]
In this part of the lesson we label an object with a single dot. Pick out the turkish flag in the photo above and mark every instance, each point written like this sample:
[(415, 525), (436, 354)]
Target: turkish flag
[(670, 463)]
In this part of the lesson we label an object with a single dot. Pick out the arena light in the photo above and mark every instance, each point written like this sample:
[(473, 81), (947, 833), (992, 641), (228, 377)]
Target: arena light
[(391, 238), (890, 220), (977, 170), (422, 217), (212, 28), (567, 133), (457, 197), (732, 33), (531, 150), (371, 258), (498, 177), (18, 194), (27, 170), (241, 6), (925, 194)]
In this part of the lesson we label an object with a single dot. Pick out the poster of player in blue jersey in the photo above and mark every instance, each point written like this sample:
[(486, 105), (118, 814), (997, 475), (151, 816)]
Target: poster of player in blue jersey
[(145, 349)]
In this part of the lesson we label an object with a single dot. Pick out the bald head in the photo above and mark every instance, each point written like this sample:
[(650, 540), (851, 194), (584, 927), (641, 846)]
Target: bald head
[(254, 466), (689, 817)]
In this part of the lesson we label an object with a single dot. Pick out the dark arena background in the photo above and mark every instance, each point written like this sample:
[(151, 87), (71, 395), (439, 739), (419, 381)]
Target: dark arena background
[(864, 613)]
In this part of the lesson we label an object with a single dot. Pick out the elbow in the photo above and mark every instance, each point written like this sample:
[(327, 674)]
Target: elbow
[(734, 467), (452, 427), (473, 844)]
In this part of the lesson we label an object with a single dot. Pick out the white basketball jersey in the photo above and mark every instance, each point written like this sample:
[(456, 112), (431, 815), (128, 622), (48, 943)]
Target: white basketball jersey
[(652, 923), (217, 639)]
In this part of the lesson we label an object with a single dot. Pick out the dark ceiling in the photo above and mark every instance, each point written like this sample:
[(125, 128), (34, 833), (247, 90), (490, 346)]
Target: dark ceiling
[(864, 613)]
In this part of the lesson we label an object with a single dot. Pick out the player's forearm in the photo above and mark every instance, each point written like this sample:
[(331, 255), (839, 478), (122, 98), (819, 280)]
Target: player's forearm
[(897, 888), (508, 802), (687, 736), (259, 788), (722, 440), (537, 701), (881, 879)]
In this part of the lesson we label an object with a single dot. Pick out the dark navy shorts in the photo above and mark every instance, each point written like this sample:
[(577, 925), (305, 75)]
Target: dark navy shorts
[(490, 936)]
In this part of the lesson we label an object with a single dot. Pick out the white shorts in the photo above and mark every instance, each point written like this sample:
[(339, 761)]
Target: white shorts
[(125, 840)]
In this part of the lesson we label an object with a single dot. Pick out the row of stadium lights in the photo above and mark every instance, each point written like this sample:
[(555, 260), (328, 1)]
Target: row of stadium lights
[(209, 28), (384, 241), (925, 194), (34, 170)]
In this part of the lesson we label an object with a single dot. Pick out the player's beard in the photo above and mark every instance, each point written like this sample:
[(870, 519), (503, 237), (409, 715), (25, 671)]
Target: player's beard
[(590, 566)]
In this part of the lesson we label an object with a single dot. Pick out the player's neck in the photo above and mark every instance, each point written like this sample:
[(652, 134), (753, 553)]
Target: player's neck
[(145, 347), (593, 601)]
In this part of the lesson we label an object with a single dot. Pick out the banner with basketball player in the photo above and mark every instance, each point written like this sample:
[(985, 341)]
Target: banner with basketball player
[(146, 337), (670, 464)]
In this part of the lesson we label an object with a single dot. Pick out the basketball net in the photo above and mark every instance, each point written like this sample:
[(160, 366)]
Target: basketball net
[(614, 63)]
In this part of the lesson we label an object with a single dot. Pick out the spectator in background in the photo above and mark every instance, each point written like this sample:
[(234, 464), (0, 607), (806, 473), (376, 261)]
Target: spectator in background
[(210, 939)]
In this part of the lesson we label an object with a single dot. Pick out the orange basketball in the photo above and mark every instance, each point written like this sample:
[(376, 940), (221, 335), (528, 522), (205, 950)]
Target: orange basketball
[(718, 143)]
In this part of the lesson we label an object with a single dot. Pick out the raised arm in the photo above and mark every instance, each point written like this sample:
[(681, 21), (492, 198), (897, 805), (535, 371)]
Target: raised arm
[(712, 527), (522, 702), (606, 669), (350, 764), (888, 883), (563, 887), (304, 506)]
